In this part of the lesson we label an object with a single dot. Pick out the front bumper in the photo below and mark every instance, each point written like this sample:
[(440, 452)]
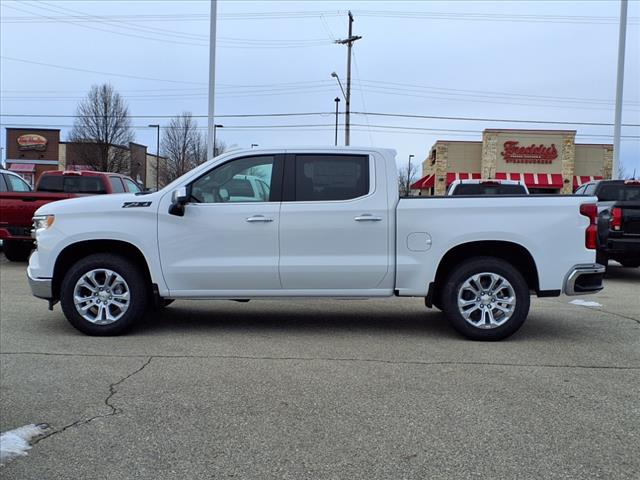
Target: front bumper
[(40, 287), (584, 279)]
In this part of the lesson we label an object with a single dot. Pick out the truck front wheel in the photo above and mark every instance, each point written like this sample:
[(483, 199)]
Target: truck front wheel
[(17, 250), (486, 298), (104, 294)]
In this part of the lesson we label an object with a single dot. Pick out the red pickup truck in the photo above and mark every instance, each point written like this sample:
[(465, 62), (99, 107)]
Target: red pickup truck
[(18, 202)]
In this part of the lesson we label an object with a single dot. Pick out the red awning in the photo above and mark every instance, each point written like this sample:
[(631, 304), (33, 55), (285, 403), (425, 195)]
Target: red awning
[(581, 179), (509, 176), (451, 176), (22, 167), (533, 180), (424, 182)]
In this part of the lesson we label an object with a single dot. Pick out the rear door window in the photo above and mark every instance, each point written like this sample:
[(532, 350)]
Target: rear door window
[(3, 184), (330, 177), (116, 184)]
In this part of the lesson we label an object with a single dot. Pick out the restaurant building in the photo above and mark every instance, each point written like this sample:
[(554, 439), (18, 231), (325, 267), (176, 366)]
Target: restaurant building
[(547, 161), (31, 151)]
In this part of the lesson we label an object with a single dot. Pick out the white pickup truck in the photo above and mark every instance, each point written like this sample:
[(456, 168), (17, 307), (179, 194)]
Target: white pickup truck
[(331, 225)]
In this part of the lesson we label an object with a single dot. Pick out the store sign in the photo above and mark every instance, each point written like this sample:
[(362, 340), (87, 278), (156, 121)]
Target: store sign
[(31, 141), (515, 153)]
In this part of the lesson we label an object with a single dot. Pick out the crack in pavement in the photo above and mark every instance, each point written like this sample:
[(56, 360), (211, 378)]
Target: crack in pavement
[(330, 359), (107, 401), (601, 309)]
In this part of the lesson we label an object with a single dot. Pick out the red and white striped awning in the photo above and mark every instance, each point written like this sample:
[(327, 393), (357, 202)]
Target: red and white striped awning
[(424, 182), (582, 179), (533, 180), (22, 167), (453, 176)]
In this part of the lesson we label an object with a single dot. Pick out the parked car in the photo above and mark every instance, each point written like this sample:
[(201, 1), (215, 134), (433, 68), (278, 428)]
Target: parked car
[(618, 220), (487, 187), (332, 226), (18, 202)]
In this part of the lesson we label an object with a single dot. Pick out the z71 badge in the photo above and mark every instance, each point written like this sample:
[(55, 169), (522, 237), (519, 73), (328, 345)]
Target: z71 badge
[(136, 204)]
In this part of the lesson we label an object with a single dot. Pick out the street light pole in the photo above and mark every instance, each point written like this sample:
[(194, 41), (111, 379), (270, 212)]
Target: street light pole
[(212, 77), (215, 149), (157, 127), (337, 100), (409, 175), (618, 113)]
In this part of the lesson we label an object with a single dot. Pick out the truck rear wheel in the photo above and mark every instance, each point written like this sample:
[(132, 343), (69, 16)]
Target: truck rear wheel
[(104, 294), (486, 298), (17, 250)]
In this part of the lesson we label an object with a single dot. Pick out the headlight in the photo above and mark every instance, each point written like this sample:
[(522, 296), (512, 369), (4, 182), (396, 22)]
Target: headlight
[(43, 221)]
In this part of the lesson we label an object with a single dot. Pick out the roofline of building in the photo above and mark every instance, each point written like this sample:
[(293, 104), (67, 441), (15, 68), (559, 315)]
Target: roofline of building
[(525, 130), (594, 145), (32, 128)]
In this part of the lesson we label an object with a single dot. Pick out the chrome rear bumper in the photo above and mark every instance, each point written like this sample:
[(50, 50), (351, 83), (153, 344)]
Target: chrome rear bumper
[(584, 279)]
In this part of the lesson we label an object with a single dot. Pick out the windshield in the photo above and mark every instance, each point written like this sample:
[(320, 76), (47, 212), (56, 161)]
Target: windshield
[(71, 184)]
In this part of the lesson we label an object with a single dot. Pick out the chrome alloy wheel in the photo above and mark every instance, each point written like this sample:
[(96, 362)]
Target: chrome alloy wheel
[(486, 300), (101, 296)]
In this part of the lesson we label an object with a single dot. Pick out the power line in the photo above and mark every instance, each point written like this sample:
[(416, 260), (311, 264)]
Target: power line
[(380, 114), (123, 75)]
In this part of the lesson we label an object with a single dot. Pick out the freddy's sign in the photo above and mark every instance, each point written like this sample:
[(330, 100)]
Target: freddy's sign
[(31, 141), (515, 153)]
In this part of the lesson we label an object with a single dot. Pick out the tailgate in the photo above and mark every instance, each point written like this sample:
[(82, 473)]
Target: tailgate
[(630, 217)]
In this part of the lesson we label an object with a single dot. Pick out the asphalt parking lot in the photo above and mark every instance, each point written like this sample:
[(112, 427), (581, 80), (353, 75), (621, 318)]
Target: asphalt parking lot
[(325, 390)]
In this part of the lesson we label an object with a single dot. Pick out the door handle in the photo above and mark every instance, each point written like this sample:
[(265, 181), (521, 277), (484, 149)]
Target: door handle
[(367, 217), (259, 218)]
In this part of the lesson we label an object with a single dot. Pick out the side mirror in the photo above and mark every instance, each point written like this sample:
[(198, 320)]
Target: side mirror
[(179, 198)]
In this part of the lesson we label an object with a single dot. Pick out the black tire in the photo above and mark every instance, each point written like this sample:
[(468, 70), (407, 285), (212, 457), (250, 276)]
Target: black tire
[(17, 250), (454, 284), (630, 264), (135, 280)]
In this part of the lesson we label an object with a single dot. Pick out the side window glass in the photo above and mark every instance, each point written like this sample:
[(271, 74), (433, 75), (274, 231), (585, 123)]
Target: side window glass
[(331, 177), (240, 180), (590, 189), (131, 185), (116, 184), (3, 184), (16, 184), (579, 190)]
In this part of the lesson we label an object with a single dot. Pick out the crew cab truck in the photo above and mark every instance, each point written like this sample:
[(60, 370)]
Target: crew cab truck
[(18, 203), (618, 220), (333, 225)]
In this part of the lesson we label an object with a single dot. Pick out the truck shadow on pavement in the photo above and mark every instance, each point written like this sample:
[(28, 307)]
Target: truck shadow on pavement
[(183, 318)]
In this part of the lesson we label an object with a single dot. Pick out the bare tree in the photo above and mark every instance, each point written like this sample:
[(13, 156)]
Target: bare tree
[(183, 147), (406, 177), (101, 128)]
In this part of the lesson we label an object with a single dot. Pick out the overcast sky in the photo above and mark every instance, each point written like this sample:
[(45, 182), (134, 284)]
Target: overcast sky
[(541, 60)]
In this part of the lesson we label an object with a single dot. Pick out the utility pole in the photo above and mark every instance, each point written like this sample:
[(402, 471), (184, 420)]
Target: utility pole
[(215, 149), (212, 78), (618, 115), (349, 43)]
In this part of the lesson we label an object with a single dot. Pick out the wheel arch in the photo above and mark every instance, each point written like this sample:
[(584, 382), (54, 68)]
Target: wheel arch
[(76, 251), (512, 252)]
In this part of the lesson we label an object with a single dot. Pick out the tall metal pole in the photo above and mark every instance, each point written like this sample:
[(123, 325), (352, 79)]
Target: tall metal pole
[(157, 157), (409, 175), (349, 43), (618, 115), (337, 100), (212, 77)]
